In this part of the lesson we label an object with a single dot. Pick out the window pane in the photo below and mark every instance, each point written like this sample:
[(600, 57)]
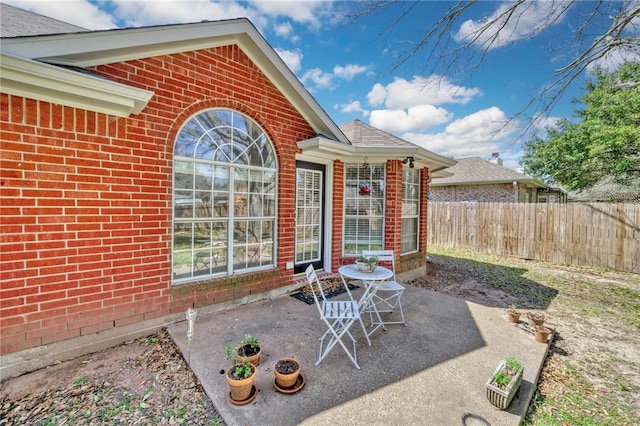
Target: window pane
[(211, 147), (364, 208), (410, 210)]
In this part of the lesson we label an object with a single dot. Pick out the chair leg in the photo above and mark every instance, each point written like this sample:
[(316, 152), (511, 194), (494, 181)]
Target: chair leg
[(336, 337)]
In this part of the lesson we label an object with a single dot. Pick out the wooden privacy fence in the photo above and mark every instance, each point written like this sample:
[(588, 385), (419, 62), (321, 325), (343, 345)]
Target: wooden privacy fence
[(598, 235)]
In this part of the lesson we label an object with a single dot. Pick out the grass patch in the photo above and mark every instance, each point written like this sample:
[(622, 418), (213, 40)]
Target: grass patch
[(590, 376)]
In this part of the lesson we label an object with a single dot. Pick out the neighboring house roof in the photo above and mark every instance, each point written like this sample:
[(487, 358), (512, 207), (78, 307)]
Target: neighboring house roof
[(475, 170), (16, 22), (26, 65), (370, 144)]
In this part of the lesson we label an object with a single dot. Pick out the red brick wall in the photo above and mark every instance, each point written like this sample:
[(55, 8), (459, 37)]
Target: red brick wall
[(86, 199), (499, 192)]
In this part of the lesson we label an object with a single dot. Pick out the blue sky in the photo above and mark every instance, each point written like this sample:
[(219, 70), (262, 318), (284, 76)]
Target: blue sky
[(348, 66)]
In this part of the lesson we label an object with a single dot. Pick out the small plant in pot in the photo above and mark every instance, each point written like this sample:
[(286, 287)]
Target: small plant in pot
[(248, 348), (513, 314), (240, 377), (367, 264), (541, 333), (286, 372), (504, 382), (535, 318)]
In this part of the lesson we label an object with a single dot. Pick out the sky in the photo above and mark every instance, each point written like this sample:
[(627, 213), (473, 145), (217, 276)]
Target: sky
[(354, 68)]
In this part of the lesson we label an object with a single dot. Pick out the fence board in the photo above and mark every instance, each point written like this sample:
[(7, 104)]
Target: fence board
[(597, 234)]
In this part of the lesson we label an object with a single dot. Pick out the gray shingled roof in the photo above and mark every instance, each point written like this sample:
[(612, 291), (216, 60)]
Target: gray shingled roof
[(360, 134), (15, 22), (475, 170)]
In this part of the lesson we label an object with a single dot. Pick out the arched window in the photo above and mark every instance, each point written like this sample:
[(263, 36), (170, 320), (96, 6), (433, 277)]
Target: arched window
[(224, 196)]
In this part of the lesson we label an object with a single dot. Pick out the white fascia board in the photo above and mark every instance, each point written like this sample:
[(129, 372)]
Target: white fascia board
[(35, 80), (111, 46), (332, 149)]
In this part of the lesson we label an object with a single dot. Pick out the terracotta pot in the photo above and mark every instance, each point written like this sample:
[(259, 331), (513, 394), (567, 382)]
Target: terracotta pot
[(541, 333), (253, 359), (514, 317), (240, 389), (535, 318), (286, 380)]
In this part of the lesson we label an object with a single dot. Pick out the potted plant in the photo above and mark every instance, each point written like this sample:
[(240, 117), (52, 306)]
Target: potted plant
[(541, 333), (504, 382), (286, 371), (513, 314), (535, 318), (367, 264), (240, 377), (248, 348)]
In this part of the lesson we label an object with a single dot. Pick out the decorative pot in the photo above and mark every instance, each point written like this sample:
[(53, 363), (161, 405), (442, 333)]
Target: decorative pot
[(286, 371), (541, 333), (366, 267), (501, 398), (252, 355), (240, 389), (514, 317), (535, 318)]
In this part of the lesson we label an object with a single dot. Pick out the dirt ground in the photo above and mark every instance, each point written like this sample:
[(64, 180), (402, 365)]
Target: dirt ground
[(147, 381)]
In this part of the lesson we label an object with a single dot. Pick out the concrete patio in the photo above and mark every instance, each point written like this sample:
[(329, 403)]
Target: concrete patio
[(430, 372)]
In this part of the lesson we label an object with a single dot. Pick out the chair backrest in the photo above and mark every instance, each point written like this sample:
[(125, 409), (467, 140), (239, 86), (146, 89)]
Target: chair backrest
[(386, 256), (315, 285)]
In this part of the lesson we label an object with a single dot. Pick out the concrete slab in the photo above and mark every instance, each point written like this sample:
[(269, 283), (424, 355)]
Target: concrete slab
[(430, 372)]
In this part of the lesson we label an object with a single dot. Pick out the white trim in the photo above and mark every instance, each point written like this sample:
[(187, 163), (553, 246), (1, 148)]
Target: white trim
[(35, 80), (103, 47), (328, 215)]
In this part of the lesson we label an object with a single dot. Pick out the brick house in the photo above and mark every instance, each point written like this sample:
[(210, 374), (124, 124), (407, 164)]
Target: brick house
[(474, 179), (149, 170)]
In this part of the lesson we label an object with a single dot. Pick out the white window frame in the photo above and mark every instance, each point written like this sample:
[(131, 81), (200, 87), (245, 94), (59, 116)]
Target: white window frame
[(410, 210), (225, 197)]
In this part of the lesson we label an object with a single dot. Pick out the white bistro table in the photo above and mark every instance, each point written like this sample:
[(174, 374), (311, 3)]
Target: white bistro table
[(371, 282)]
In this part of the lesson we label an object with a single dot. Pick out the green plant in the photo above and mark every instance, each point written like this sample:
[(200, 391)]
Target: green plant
[(513, 364), (501, 378), (371, 260), (249, 340), (512, 308), (240, 370)]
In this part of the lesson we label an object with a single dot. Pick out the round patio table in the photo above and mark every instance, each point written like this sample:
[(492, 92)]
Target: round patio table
[(371, 282)]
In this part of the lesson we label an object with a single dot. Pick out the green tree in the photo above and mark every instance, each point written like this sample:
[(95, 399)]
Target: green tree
[(603, 145)]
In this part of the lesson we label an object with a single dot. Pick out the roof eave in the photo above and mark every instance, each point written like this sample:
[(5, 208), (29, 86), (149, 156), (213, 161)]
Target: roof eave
[(110, 46), (36, 80), (332, 149)]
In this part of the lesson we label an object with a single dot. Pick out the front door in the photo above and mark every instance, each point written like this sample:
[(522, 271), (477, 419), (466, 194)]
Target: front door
[(309, 215)]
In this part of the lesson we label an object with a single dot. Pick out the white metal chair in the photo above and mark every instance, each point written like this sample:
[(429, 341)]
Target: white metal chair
[(338, 315), (388, 297)]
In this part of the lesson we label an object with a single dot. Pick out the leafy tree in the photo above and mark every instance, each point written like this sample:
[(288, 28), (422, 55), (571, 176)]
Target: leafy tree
[(603, 145)]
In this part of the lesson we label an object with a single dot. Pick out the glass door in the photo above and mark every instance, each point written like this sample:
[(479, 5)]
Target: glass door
[(309, 215)]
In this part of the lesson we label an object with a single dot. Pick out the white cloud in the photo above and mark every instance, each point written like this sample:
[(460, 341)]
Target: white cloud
[(283, 30), (501, 28), (305, 12), (416, 118), (353, 107), (349, 71), (77, 12), (477, 134), (293, 58), (432, 90), (317, 79), (142, 13)]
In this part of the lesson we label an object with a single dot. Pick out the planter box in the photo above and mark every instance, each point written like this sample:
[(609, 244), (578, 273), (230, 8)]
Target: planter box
[(501, 398)]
